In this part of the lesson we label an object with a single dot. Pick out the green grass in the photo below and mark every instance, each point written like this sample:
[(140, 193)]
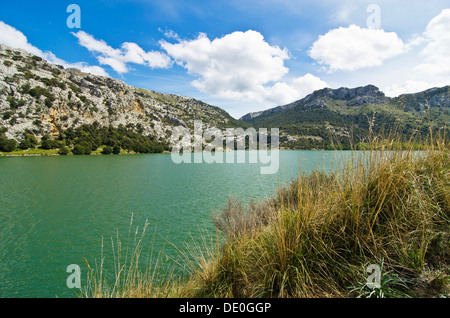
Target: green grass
[(319, 234), (126, 278), (31, 152), (51, 152)]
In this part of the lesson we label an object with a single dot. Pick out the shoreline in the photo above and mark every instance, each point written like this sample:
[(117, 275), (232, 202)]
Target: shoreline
[(68, 155), (135, 153), (53, 153)]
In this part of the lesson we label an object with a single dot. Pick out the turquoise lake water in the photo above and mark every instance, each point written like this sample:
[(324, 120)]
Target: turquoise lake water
[(55, 210)]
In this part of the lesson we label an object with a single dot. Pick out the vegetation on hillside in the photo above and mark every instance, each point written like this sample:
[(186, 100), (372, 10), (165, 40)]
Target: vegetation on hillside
[(85, 140), (47, 99), (327, 120)]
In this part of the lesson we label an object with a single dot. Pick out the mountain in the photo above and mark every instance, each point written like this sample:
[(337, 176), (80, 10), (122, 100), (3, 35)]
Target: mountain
[(44, 99), (358, 96), (351, 115), (43, 102)]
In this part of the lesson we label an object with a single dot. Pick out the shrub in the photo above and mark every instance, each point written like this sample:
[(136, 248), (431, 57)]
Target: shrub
[(56, 72), (17, 57), (317, 236), (28, 75), (25, 88), (38, 91), (7, 145), (28, 142), (53, 82), (24, 144), (15, 103), (36, 58), (50, 144), (74, 88), (7, 115), (64, 151), (107, 150), (81, 149), (46, 144), (78, 150), (48, 103), (7, 63), (116, 150)]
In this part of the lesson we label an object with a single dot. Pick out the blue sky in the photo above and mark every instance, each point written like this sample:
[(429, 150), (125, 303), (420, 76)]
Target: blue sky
[(242, 55)]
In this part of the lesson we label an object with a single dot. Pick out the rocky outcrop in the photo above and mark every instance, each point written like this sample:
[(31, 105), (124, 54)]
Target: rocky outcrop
[(369, 92)]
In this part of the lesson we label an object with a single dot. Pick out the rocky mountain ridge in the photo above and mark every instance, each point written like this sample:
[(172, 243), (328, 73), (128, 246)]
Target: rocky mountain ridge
[(351, 115), (358, 96), (43, 99)]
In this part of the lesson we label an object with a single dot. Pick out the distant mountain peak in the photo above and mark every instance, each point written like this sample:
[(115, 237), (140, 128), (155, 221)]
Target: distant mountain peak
[(348, 116), (345, 93), (369, 94)]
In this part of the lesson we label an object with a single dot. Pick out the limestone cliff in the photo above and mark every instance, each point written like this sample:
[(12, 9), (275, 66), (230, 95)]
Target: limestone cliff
[(42, 98)]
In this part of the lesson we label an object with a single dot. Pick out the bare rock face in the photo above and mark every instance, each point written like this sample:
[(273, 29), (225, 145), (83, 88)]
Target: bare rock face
[(347, 94), (42, 98)]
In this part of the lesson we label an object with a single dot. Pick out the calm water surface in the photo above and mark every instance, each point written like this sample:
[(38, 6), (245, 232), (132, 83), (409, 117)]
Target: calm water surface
[(55, 210)]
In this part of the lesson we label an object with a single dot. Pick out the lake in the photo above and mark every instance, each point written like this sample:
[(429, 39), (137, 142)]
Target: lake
[(55, 210)]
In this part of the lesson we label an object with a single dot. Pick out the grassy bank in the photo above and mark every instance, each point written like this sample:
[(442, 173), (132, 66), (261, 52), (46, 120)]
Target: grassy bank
[(53, 152), (319, 234), (31, 152)]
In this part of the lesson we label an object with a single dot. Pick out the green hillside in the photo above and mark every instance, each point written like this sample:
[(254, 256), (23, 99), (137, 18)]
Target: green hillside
[(339, 118)]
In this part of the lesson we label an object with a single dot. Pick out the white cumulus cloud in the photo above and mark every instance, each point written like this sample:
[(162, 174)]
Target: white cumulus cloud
[(119, 58), (353, 47), (432, 68), (232, 66), (240, 66), (12, 37), (437, 50), (409, 87), (287, 92)]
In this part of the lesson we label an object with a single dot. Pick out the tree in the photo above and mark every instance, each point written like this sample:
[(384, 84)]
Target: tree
[(81, 150), (107, 150), (116, 149), (64, 151), (28, 142), (7, 145), (47, 144), (25, 144)]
